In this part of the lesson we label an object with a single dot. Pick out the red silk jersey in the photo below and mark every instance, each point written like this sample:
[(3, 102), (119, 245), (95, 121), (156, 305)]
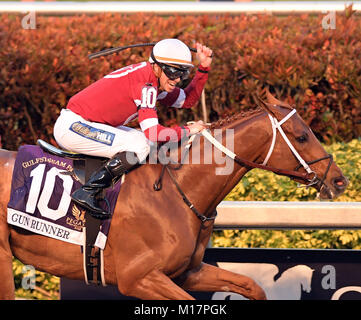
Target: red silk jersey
[(132, 92)]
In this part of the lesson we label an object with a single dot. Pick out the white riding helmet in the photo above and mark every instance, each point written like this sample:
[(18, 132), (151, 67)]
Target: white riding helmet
[(172, 51)]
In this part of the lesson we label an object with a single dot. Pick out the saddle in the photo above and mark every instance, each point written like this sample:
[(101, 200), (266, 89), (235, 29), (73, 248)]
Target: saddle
[(84, 165)]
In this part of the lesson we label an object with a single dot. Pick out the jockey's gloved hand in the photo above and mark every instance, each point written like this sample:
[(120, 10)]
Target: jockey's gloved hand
[(204, 55)]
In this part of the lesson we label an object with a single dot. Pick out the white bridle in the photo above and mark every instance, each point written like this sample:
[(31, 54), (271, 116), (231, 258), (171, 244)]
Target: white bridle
[(276, 125)]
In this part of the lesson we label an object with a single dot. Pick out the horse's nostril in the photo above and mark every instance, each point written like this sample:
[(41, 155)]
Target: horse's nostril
[(340, 183)]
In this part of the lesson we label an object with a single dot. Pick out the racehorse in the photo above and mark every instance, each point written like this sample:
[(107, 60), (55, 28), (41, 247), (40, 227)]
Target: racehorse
[(156, 243)]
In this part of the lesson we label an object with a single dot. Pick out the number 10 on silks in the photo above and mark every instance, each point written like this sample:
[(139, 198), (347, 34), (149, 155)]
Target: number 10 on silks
[(149, 97)]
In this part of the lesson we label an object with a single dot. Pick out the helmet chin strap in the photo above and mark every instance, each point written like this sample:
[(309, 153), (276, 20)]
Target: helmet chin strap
[(156, 73)]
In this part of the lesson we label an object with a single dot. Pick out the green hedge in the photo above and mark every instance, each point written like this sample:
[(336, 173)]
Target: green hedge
[(258, 185), (46, 286), (316, 69)]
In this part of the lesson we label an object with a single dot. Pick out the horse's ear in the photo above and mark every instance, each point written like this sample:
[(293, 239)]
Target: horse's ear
[(272, 100), (266, 106), (274, 109)]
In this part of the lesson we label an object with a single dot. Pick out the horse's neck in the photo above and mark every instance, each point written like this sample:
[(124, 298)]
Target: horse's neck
[(208, 184)]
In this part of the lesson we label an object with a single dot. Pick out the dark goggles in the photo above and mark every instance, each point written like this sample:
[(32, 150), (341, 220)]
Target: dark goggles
[(172, 72)]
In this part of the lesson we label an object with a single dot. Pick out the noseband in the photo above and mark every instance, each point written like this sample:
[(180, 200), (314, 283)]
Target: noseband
[(316, 179)]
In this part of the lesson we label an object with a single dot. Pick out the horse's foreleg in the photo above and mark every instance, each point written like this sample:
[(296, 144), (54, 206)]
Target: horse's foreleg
[(155, 286), (210, 278), (7, 287)]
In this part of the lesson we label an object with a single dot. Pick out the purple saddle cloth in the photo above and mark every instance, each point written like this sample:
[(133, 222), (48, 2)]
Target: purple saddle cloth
[(40, 197)]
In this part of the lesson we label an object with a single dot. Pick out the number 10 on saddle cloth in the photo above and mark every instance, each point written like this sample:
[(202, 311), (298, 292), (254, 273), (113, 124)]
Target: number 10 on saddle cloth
[(40, 199)]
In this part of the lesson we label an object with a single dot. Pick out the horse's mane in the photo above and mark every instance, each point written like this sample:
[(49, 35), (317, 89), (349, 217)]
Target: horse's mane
[(238, 116)]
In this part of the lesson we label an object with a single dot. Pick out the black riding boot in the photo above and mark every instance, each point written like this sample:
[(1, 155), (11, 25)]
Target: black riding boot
[(89, 195)]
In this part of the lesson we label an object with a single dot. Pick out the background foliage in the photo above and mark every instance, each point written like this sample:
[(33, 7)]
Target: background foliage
[(46, 286), (317, 70)]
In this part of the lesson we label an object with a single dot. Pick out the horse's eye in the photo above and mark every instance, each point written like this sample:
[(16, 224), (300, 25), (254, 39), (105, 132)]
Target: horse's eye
[(302, 139)]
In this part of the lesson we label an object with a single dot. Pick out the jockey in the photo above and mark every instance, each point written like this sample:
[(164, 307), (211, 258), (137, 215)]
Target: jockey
[(94, 122)]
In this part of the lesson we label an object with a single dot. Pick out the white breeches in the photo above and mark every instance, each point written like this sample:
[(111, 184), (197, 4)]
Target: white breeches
[(75, 134)]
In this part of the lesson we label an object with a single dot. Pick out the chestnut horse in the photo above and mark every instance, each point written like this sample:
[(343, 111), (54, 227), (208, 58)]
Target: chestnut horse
[(156, 243)]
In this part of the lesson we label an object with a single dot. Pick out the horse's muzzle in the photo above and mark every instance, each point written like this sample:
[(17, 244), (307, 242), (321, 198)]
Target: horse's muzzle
[(340, 184), (331, 191)]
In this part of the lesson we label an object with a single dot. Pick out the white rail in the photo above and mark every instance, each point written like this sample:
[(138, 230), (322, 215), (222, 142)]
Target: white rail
[(165, 7), (288, 215)]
